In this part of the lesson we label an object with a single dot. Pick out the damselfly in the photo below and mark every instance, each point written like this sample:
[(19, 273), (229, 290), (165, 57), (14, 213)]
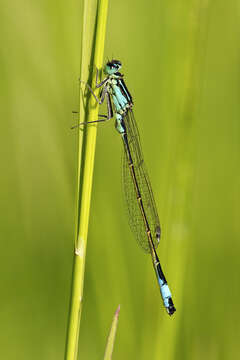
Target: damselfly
[(142, 211)]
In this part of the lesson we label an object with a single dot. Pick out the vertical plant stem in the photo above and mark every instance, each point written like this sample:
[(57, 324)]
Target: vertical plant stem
[(84, 186)]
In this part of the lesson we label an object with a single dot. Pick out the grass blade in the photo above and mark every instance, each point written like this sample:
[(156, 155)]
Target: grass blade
[(111, 336)]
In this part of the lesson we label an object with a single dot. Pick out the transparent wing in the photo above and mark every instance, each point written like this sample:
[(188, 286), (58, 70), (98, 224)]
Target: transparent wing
[(135, 217)]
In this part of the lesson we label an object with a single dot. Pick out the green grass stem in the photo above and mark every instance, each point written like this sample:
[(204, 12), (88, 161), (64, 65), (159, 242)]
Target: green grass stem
[(85, 163), (112, 336)]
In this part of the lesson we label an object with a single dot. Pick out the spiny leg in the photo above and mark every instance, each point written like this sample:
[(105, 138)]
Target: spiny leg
[(98, 85), (91, 122), (107, 117), (104, 91)]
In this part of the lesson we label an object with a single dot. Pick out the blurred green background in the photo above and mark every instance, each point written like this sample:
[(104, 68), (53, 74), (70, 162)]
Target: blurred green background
[(181, 62)]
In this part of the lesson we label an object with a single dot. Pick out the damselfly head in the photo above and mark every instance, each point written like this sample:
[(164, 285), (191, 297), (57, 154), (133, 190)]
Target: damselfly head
[(112, 67)]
